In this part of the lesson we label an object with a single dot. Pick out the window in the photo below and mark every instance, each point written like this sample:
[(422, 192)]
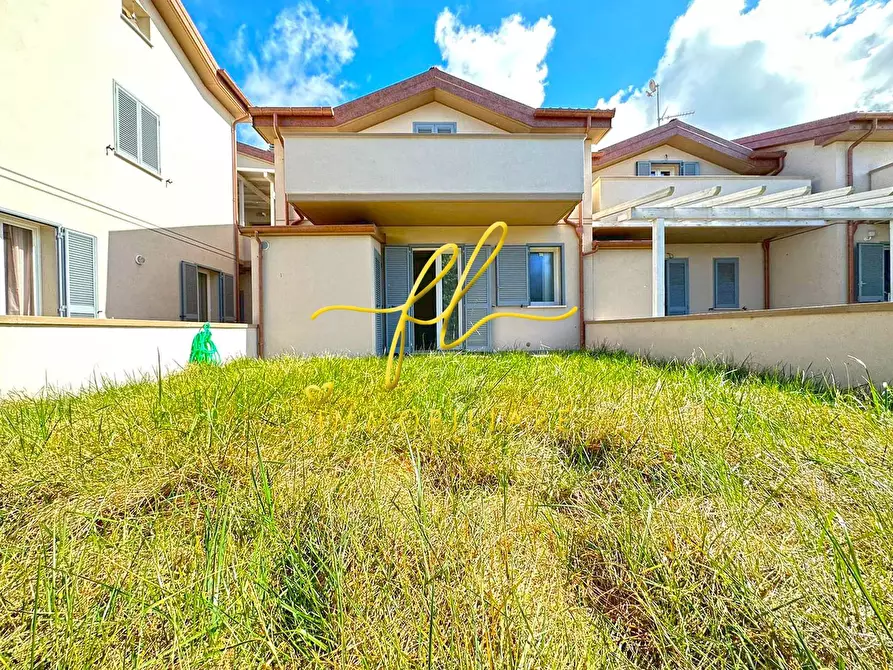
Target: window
[(137, 18), (434, 128), (873, 272), (725, 283), (20, 266), (668, 168), (529, 275), (137, 132), (206, 294)]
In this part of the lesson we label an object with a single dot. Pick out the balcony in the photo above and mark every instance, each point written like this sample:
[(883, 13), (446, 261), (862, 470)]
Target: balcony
[(464, 179)]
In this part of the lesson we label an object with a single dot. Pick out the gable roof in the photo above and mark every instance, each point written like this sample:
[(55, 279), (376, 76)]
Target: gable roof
[(838, 128), (215, 78), (254, 152), (429, 86), (692, 140)]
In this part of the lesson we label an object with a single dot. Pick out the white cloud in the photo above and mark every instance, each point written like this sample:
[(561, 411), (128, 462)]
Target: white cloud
[(510, 60), (780, 63), (298, 61)]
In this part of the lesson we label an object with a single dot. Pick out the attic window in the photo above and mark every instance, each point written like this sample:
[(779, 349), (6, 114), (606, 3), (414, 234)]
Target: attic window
[(137, 18), (665, 169), (432, 128)]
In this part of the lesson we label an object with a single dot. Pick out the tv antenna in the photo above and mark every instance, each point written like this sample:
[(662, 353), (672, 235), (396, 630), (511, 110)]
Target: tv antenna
[(654, 92)]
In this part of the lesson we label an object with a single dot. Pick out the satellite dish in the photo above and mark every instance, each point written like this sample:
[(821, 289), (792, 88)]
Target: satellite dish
[(652, 86)]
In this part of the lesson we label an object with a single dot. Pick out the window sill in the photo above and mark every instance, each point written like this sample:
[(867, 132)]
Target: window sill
[(135, 29), (148, 171), (546, 306)]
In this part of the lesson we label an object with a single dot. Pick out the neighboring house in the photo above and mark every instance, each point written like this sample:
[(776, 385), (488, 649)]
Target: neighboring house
[(380, 182), (117, 162), (738, 265)]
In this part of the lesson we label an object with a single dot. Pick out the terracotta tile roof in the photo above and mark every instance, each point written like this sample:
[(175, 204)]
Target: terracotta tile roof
[(693, 140), (254, 152), (428, 81), (821, 130)]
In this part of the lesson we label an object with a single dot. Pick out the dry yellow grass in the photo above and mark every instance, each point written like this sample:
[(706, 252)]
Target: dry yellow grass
[(505, 511)]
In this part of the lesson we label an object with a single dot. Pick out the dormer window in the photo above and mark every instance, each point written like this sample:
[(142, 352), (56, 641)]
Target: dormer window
[(434, 128), (137, 18)]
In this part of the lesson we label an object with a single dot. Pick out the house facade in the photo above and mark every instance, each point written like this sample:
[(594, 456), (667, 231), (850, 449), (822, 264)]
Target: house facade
[(379, 183), (117, 163), (715, 266)]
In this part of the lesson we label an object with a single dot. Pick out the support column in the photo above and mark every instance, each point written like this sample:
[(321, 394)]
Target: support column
[(241, 202), (280, 205), (658, 268), (272, 179), (586, 205)]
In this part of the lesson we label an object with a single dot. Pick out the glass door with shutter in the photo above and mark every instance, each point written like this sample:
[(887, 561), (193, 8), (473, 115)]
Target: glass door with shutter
[(427, 337)]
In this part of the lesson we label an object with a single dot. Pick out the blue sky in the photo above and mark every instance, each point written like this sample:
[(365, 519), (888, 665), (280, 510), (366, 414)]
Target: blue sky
[(742, 66)]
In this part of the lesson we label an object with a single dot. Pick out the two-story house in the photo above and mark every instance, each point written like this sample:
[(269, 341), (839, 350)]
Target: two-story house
[(744, 264), (379, 183), (117, 163)]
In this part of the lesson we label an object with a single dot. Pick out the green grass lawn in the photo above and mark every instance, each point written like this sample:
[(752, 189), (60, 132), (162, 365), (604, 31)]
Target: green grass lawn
[(503, 511)]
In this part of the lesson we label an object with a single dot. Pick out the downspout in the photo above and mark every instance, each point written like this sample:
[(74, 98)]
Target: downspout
[(236, 237), (767, 289), (853, 225), (260, 295), (777, 171)]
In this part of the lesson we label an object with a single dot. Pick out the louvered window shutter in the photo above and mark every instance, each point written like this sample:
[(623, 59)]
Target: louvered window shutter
[(871, 272), (397, 281), (79, 274), (643, 168), (677, 286), (127, 122), (149, 136), (476, 302), (725, 283), (227, 296), (188, 291), (691, 168), (511, 276), (379, 304)]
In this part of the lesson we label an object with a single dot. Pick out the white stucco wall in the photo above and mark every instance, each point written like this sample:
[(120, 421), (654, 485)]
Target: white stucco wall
[(436, 112), (304, 273), (627, 168), (817, 341), (882, 178), (70, 354), (353, 166), (809, 268), (58, 62)]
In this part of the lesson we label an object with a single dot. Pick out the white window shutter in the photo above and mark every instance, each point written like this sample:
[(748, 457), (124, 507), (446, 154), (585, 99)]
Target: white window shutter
[(150, 154), (79, 278), (127, 121)]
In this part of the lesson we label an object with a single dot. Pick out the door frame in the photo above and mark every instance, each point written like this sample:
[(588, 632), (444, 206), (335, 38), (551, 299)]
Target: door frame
[(438, 268)]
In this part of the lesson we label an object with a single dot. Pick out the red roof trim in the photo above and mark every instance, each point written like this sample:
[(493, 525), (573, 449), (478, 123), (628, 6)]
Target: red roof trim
[(761, 163), (820, 130), (254, 152), (328, 117)]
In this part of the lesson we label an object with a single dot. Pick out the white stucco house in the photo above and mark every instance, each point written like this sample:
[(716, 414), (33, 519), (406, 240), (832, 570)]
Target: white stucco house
[(117, 164)]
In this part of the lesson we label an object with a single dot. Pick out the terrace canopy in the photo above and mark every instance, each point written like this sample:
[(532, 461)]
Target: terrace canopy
[(749, 208)]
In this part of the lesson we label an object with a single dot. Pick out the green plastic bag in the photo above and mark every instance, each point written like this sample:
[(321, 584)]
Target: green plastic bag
[(203, 349)]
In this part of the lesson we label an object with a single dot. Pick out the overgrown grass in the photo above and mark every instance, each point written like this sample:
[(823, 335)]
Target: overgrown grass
[(505, 511)]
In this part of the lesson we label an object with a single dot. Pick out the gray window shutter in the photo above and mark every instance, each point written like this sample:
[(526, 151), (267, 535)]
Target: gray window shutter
[(79, 275), (677, 286), (127, 122), (477, 301), (227, 298), (398, 282), (444, 128), (511, 276), (188, 291), (150, 154), (691, 168), (871, 272), (379, 304), (725, 283), (643, 168)]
